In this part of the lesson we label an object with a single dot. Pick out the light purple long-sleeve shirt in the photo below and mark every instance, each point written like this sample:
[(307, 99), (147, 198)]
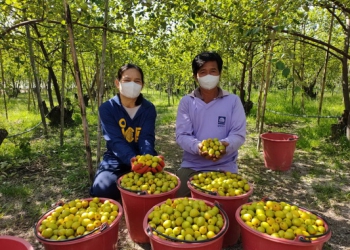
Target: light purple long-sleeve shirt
[(223, 118)]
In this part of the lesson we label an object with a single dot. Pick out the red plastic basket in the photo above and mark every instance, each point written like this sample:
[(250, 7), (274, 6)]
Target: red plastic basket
[(106, 239)]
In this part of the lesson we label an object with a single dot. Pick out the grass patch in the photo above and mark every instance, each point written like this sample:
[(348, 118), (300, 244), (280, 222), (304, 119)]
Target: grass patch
[(296, 175), (284, 116), (325, 192), (18, 191), (338, 165), (76, 178), (166, 115), (317, 171)]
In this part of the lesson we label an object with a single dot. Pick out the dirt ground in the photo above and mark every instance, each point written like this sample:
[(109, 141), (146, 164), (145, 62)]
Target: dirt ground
[(272, 184)]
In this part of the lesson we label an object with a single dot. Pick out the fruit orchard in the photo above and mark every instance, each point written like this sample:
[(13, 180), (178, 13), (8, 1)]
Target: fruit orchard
[(281, 57)]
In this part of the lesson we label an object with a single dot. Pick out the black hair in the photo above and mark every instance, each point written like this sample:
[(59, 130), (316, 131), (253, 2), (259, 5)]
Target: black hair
[(204, 57), (129, 66)]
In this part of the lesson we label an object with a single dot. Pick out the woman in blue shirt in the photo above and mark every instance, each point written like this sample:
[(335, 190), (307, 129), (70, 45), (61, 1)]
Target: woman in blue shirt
[(128, 126)]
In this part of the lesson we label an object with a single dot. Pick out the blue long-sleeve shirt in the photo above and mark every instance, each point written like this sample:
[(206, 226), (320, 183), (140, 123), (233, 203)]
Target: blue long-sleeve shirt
[(126, 137), (223, 118)]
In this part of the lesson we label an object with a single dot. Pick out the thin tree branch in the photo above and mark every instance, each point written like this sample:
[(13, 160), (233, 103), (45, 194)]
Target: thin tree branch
[(342, 6), (314, 40), (35, 21), (325, 49), (217, 16), (19, 25), (336, 17)]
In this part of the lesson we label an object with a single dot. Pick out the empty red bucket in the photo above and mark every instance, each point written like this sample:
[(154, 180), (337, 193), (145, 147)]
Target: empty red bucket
[(278, 150), (136, 206), (255, 240), (14, 243), (158, 243), (229, 204), (106, 239)]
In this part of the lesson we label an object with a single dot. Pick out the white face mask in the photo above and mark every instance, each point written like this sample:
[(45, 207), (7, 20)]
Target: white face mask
[(130, 89), (208, 81)]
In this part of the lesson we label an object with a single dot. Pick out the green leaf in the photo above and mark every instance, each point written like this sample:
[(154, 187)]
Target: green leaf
[(248, 32), (297, 89), (296, 21), (131, 21), (190, 22), (256, 30), (286, 72), (280, 65), (306, 8)]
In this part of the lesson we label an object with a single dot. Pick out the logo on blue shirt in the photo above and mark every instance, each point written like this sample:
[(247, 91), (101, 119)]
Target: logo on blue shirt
[(221, 121)]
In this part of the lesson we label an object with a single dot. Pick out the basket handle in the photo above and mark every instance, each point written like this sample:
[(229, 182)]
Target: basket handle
[(203, 190), (304, 238)]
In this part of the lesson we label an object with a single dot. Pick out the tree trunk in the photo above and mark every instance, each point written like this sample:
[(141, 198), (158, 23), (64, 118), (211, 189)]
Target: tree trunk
[(88, 88), (79, 88), (3, 84), (241, 86), (3, 134), (169, 86), (101, 81), (267, 80), (250, 74), (293, 70), (302, 70), (37, 87), (51, 71), (99, 94), (14, 88), (345, 74), (29, 89), (323, 84), (309, 89), (49, 91), (244, 69), (63, 80), (263, 80)]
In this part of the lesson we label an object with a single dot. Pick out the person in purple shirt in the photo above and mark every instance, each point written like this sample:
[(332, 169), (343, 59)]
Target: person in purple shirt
[(128, 126), (208, 112)]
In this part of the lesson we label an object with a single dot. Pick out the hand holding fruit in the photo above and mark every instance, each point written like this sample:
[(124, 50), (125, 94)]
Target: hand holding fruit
[(147, 163), (212, 149)]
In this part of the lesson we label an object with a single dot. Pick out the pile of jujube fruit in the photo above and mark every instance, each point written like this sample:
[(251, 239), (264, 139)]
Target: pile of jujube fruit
[(281, 220)]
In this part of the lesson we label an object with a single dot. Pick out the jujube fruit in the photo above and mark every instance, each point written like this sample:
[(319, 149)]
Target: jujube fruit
[(147, 163), (152, 183), (281, 220), (212, 148), (222, 183), (65, 222), (186, 220)]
